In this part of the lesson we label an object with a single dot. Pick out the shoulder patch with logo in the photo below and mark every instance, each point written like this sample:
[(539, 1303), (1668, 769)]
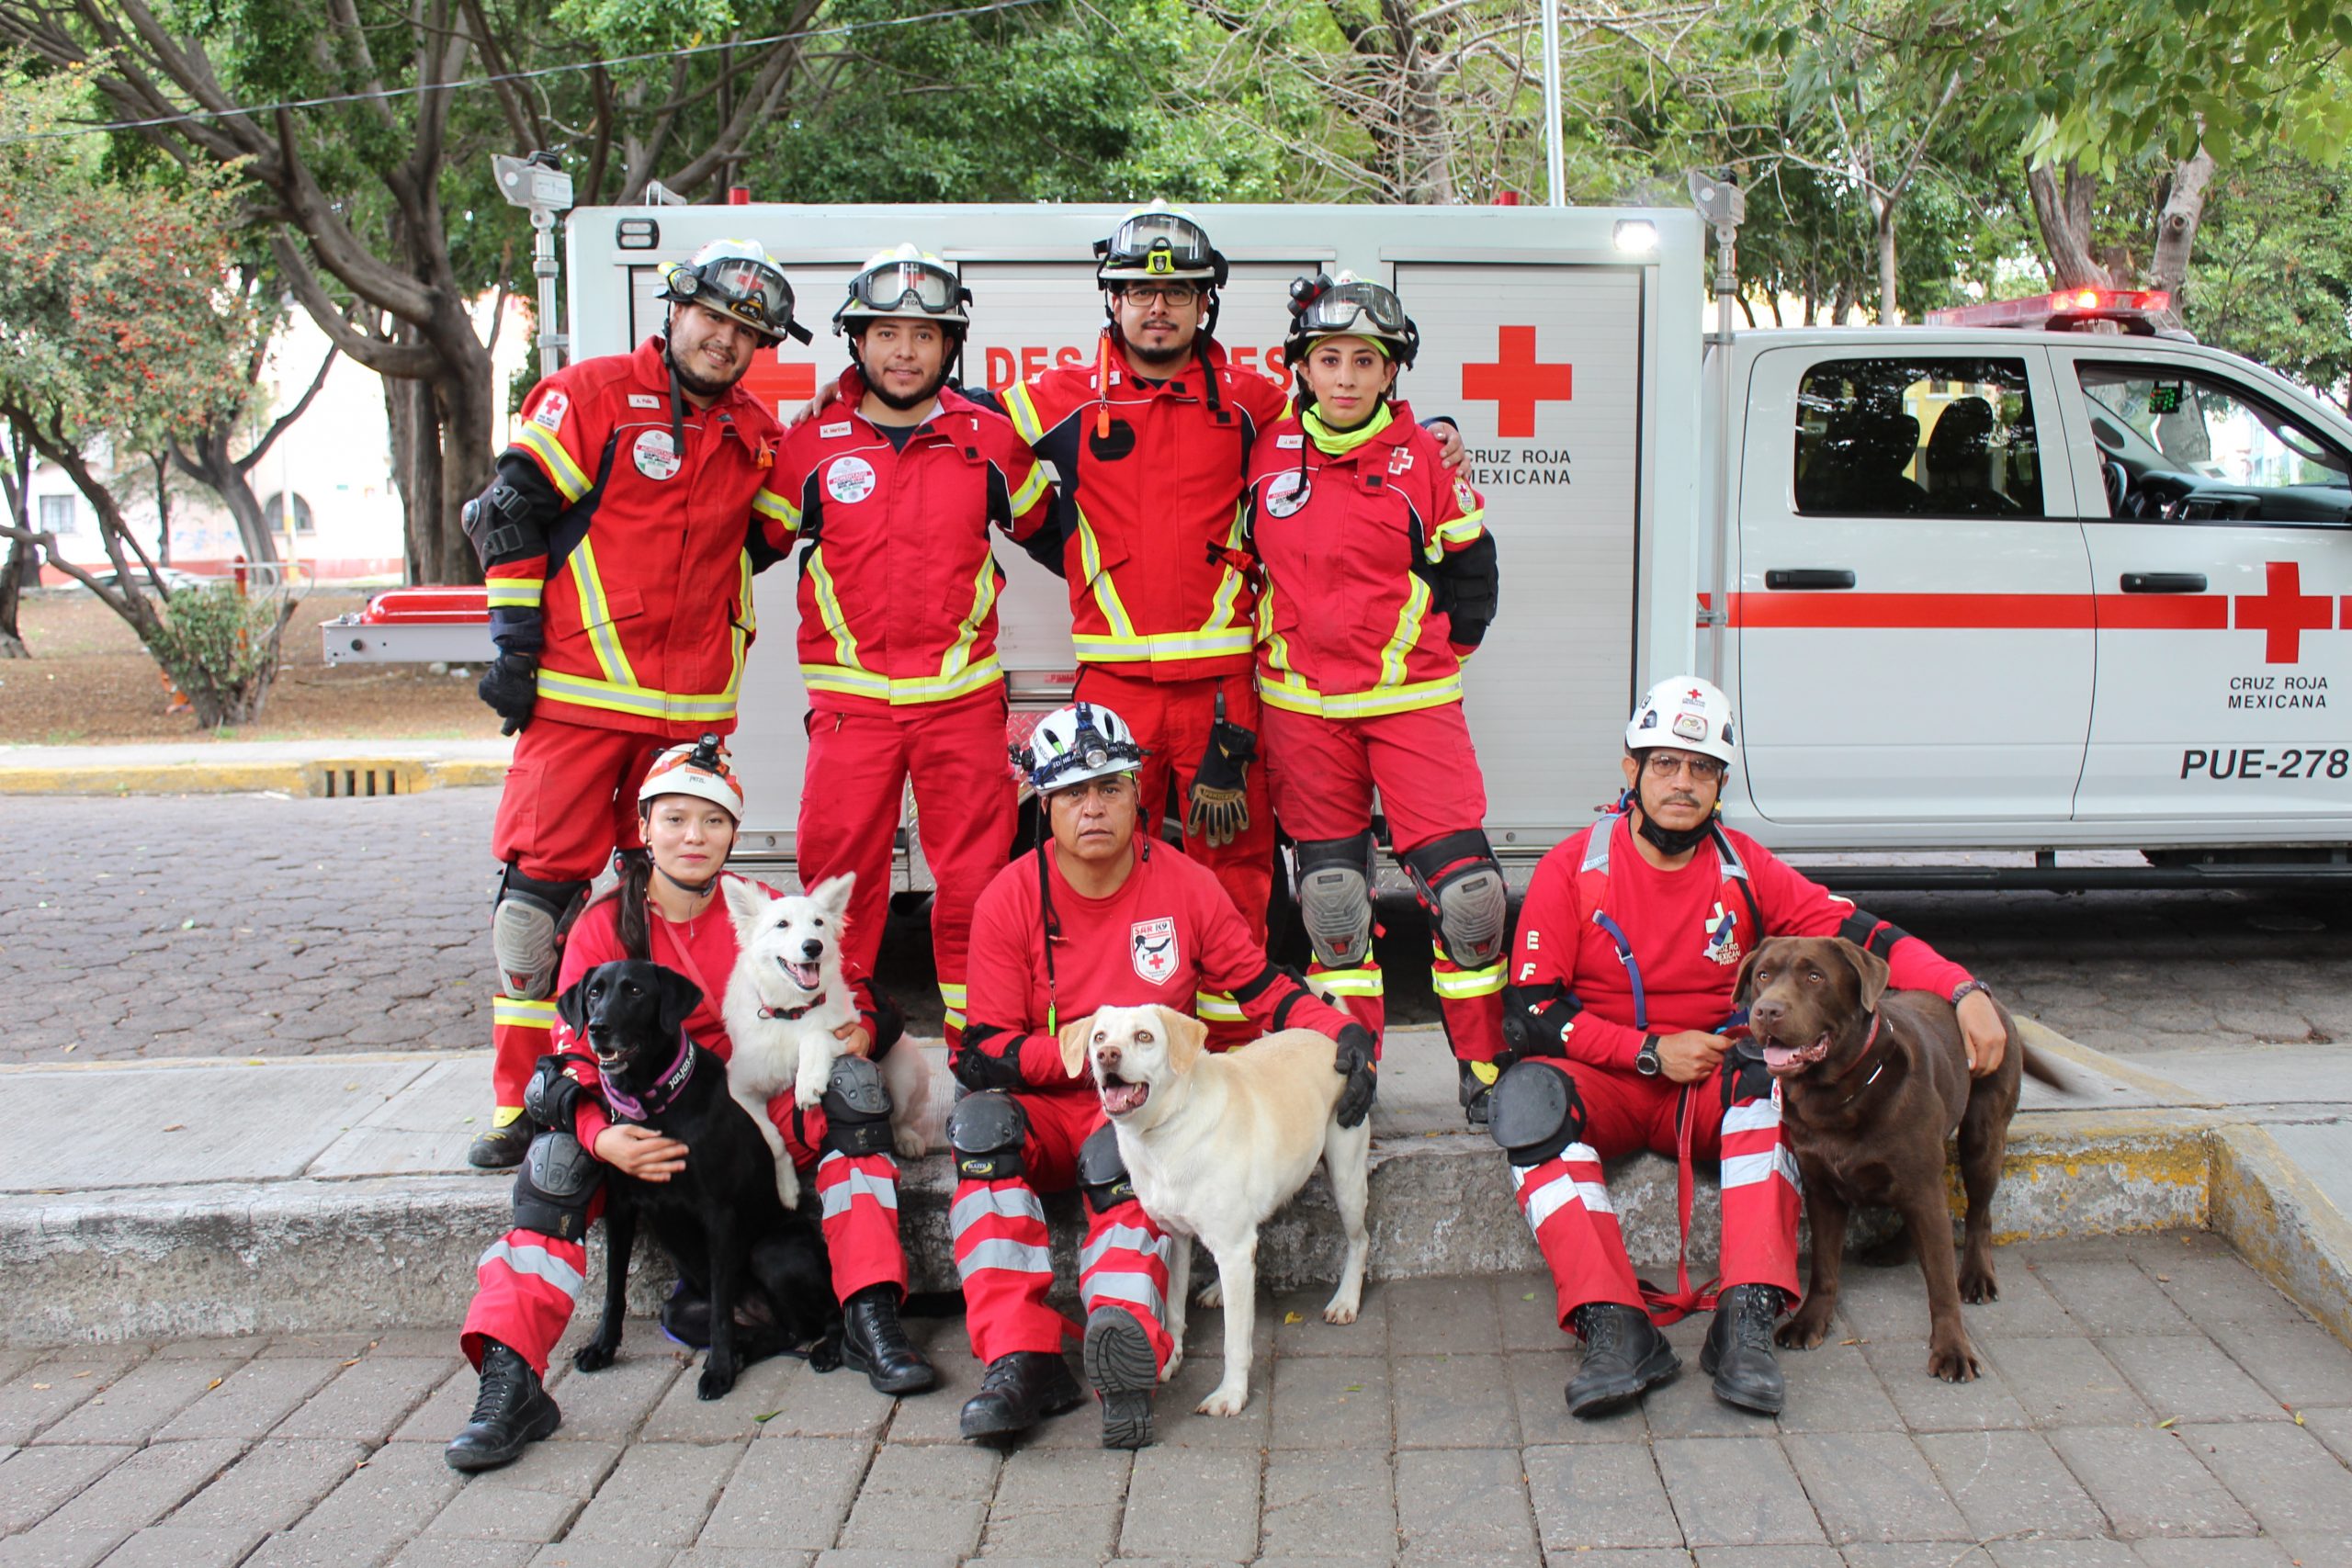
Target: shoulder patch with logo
[(1287, 492), (655, 455), (849, 480), (829, 431), (1464, 497), (643, 401), (1152, 946), (552, 409)]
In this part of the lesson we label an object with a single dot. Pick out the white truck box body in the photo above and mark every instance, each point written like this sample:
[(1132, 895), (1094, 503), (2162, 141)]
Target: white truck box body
[(1982, 681)]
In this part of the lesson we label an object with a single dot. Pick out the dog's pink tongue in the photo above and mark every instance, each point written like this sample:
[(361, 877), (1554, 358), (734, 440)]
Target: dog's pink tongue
[(1777, 1055), (1120, 1099)]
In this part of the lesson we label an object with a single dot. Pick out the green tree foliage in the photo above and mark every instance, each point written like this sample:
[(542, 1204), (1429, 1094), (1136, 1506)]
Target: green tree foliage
[(2274, 271), (121, 327)]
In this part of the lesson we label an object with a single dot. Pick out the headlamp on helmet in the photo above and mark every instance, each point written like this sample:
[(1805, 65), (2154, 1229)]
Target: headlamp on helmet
[(736, 278), (1077, 743), (1158, 242), (1686, 714), (700, 770), (1348, 306)]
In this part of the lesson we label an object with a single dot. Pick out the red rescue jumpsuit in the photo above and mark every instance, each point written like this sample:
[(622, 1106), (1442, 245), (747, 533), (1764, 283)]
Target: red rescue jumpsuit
[(898, 650), (1161, 617), (1686, 932), (1168, 935), (1359, 678), (527, 1283), (630, 579)]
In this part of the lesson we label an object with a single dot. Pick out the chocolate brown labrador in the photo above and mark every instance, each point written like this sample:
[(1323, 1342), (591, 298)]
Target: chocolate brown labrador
[(1873, 1082)]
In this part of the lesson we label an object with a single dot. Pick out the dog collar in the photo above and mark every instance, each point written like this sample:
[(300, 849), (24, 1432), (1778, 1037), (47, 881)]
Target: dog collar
[(1868, 1040), (660, 1096), (788, 1014)]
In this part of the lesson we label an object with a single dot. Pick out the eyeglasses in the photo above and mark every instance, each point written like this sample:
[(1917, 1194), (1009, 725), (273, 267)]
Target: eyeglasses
[(1674, 764), (1177, 294)]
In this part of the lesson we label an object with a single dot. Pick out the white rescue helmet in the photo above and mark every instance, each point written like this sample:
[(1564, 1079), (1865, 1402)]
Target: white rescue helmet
[(1160, 240), (905, 282), (737, 278), (1686, 714), (699, 771), (1082, 741)]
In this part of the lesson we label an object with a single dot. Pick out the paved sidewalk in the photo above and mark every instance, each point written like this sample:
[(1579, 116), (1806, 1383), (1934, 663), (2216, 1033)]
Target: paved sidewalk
[(2149, 1403)]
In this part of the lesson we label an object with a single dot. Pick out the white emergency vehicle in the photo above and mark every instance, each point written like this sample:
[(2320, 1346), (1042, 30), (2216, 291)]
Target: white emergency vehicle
[(1971, 586)]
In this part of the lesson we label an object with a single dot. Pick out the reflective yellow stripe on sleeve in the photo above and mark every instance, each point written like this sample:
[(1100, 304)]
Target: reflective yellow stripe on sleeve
[(519, 1012), (1032, 486), (767, 503), (515, 592), (1020, 408), (1217, 1007), (561, 471)]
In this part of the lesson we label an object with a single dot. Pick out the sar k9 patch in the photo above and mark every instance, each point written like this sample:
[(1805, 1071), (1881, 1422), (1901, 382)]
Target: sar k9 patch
[(849, 480), (1287, 492), (1152, 946), (655, 455)]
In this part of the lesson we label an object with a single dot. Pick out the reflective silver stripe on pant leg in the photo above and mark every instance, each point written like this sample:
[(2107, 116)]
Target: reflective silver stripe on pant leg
[(1012, 1256), (856, 1183), (538, 1262), (1012, 1203), (1136, 1288), (1134, 1238)]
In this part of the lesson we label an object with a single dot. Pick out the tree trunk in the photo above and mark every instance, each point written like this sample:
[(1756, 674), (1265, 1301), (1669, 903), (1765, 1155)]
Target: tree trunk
[(210, 465), (1888, 313), (466, 406), (2177, 224), (162, 462), (2062, 209), (16, 481)]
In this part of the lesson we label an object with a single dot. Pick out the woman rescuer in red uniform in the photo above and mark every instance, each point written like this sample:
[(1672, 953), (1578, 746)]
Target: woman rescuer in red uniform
[(670, 907), (1380, 581)]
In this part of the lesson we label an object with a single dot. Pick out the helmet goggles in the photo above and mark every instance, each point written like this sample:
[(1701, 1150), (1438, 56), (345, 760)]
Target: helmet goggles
[(751, 290), (1324, 306), (934, 289), (1158, 244)]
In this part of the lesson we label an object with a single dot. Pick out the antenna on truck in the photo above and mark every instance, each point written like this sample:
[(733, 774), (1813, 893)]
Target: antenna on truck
[(1723, 206)]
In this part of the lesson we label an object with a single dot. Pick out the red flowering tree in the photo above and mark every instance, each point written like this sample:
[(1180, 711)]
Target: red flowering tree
[(121, 330)]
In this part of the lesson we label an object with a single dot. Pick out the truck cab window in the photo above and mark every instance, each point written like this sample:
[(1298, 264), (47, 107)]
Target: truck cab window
[(1917, 437), (2181, 447)]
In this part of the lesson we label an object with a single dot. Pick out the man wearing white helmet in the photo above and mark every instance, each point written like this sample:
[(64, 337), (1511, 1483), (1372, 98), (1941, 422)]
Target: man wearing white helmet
[(1101, 916), (1619, 1018), (891, 495), (620, 538)]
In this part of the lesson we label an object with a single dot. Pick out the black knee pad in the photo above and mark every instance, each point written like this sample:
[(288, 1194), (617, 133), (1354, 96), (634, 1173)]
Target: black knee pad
[(552, 1097), (857, 1108), (1335, 887), (1102, 1173), (553, 1189), (1466, 896), (986, 1132), (1533, 1112)]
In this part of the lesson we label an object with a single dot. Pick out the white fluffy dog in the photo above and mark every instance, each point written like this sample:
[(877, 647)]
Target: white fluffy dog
[(1214, 1144), (786, 997)]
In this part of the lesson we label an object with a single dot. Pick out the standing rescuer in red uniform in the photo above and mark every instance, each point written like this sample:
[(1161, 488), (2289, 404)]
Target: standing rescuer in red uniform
[(1151, 440), (1101, 916), (619, 539), (1623, 972), (891, 493), (1380, 581), (669, 907)]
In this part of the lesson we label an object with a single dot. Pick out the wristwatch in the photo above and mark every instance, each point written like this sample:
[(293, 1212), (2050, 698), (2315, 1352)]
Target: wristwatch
[(1647, 1064), (1968, 987)]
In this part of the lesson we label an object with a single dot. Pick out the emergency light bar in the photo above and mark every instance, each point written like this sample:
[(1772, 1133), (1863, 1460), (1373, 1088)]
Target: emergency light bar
[(2147, 312)]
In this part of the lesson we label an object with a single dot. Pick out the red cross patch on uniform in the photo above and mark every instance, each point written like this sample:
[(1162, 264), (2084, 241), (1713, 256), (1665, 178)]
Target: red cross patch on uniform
[(1152, 946)]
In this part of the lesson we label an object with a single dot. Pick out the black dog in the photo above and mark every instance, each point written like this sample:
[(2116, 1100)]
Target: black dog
[(763, 1266)]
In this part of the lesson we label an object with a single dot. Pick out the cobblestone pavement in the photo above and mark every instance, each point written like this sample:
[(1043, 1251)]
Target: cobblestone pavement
[(2149, 1403), (246, 925)]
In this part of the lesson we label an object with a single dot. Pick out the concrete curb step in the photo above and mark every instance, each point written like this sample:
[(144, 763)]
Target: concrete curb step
[(327, 776), (331, 1250)]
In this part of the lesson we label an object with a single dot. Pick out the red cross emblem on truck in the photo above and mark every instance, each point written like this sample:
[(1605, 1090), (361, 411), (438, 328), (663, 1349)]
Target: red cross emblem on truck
[(1515, 382), (2283, 613)]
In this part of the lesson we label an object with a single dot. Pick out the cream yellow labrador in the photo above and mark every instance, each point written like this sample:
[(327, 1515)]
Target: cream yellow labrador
[(1214, 1144)]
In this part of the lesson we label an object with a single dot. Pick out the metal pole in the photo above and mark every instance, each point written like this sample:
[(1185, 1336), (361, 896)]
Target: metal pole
[(552, 343), (1555, 174)]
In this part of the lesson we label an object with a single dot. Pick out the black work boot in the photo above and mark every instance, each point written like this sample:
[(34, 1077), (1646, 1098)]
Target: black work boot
[(510, 1412), (502, 1148), (1738, 1351), (1018, 1390), (1623, 1354), (1474, 1092), (874, 1342), (1120, 1365)]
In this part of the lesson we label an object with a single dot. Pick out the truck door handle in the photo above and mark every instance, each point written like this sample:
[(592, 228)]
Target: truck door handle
[(2163, 582), (1809, 577)]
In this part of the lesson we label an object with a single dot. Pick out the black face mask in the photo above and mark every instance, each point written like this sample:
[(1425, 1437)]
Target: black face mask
[(1670, 840)]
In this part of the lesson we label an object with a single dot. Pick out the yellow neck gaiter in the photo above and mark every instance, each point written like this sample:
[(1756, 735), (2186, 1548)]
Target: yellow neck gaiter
[(1339, 443)]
